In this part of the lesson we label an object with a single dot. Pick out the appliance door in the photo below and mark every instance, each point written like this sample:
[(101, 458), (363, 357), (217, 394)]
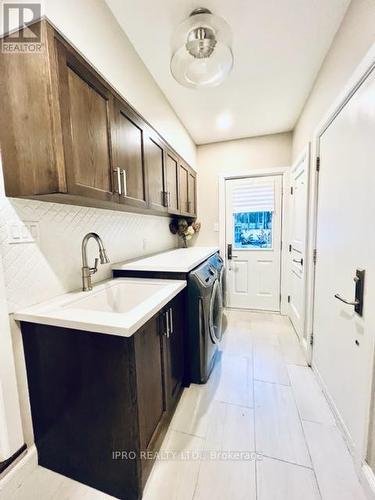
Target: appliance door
[(216, 313)]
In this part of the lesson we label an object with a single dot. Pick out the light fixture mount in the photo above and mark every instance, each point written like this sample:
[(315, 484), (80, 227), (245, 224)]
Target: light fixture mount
[(201, 46)]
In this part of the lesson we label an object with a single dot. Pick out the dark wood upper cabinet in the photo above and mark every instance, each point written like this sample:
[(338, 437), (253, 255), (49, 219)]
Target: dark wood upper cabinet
[(192, 193), (67, 136), (86, 107), (30, 142), (128, 154), (184, 183), (172, 183), (155, 161)]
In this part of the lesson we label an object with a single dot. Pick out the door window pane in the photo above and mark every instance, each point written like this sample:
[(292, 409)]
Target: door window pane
[(252, 230)]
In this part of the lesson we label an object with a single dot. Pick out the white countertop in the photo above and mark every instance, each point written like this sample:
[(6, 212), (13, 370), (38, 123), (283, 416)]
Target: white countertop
[(181, 260), (115, 307)]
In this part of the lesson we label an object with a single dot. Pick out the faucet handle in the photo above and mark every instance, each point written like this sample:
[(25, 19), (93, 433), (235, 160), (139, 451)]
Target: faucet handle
[(94, 269)]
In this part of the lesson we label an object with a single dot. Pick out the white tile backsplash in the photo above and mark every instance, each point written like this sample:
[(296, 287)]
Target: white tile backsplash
[(37, 271)]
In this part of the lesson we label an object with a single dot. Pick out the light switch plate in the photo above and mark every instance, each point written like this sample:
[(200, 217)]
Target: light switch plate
[(23, 232), (216, 227)]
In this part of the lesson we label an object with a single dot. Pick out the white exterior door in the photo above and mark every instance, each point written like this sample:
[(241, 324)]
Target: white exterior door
[(343, 351), (297, 249), (253, 241)]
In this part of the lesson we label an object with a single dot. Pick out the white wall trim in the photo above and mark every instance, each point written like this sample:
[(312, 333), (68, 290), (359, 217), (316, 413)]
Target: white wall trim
[(366, 66), (364, 471), (305, 341), (261, 172), (367, 479)]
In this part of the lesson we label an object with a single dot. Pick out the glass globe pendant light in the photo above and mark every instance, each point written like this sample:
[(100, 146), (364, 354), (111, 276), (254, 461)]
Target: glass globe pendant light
[(201, 50)]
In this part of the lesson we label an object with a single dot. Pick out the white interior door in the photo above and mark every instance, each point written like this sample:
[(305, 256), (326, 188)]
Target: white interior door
[(343, 340), (253, 237), (299, 178)]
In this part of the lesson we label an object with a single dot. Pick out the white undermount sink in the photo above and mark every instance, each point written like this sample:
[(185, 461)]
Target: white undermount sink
[(116, 307), (118, 297)]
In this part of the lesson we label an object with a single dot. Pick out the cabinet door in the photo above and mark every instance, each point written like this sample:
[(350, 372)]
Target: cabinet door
[(155, 160), (172, 183), (86, 106), (31, 154), (184, 182), (149, 368), (174, 341), (129, 161), (192, 193)]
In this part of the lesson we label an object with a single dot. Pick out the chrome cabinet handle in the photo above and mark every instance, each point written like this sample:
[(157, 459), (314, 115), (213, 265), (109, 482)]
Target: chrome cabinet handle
[(171, 319), (165, 198), (167, 324), (348, 302), (117, 172), (124, 180)]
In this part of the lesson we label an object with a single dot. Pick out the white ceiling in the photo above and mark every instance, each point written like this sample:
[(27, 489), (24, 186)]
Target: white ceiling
[(279, 46)]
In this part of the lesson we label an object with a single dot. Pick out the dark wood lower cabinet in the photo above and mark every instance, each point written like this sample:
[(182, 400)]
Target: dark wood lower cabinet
[(99, 402), (174, 316)]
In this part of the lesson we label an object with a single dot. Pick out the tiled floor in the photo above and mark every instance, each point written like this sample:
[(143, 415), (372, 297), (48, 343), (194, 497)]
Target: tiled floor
[(261, 402)]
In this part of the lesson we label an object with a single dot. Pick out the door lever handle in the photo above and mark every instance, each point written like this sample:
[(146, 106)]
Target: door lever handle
[(357, 303), (348, 302), (298, 261)]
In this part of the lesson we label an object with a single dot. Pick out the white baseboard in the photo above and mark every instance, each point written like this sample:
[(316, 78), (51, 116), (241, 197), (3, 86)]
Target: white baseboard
[(18, 473), (339, 421), (365, 474), (367, 479)]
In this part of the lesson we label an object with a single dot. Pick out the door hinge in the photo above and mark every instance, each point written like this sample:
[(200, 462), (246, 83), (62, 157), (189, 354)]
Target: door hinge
[(291, 190), (315, 255), (288, 299), (318, 163), (290, 248), (312, 339)]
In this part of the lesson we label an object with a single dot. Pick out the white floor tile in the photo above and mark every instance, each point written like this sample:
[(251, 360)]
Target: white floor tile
[(269, 363), (232, 381), (291, 349), (332, 463), (226, 481), (278, 480), (311, 402), (72, 490), (41, 484), (176, 479), (231, 428), (238, 340), (278, 428), (228, 470), (192, 412)]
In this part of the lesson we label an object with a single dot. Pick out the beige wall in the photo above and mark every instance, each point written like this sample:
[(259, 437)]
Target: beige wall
[(243, 155), (353, 39)]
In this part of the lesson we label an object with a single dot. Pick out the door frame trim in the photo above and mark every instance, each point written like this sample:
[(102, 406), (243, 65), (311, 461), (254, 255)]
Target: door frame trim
[(359, 75), (261, 172), (305, 153)]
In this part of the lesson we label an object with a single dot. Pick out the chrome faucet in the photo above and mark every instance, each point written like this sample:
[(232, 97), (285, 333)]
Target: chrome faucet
[(87, 271)]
